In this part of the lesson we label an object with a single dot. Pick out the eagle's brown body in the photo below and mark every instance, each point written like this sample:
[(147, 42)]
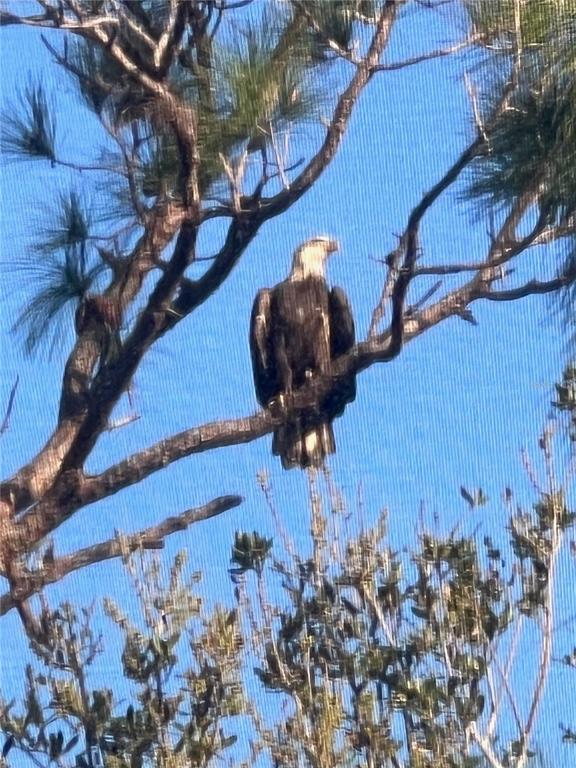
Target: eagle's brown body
[(297, 329)]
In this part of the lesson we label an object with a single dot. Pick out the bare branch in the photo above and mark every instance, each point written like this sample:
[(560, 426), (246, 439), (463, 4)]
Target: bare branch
[(437, 54), (485, 746), (75, 437), (455, 269), (136, 28), (120, 546), (423, 299), (171, 36), (414, 222), (279, 203), (531, 288), (218, 434), (54, 20), (548, 608), (475, 109)]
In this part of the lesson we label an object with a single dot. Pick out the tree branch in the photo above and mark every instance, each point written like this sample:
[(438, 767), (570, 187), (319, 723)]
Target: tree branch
[(273, 206), (84, 414), (76, 490), (531, 288), (437, 54), (414, 223), (120, 546)]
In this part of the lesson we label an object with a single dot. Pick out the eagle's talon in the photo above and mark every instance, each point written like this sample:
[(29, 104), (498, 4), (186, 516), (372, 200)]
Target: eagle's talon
[(280, 405)]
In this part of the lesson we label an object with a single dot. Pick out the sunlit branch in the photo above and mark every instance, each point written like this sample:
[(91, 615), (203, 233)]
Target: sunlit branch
[(506, 683), (74, 439), (454, 269), (485, 746), (218, 434), (552, 234), (171, 36), (423, 299), (511, 656), (50, 21), (136, 28)]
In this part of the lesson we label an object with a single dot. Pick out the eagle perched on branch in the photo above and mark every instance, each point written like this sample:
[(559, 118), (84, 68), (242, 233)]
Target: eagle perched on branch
[(297, 329)]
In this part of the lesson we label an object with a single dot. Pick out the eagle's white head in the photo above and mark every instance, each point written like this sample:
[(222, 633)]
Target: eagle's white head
[(310, 257)]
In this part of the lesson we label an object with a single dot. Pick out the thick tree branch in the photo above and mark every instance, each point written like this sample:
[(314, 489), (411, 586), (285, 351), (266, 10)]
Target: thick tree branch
[(78, 389), (218, 434), (242, 230), (120, 546)]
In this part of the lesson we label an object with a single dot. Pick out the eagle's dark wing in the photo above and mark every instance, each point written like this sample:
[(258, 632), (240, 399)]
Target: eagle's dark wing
[(263, 362), (342, 333), (342, 337)]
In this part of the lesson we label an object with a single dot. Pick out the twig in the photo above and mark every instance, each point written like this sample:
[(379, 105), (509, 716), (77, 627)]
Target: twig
[(505, 674), (476, 111), (279, 159), (439, 53), (423, 299), (123, 422), (548, 608)]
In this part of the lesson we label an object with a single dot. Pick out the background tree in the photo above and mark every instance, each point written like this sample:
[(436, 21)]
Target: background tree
[(196, 103), (366, 655)]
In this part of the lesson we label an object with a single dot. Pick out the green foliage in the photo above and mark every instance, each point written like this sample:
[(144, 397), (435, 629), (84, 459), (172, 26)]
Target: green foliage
[(249, 553), (69, 227), (61, 278), (180, 720), (377, 656), (566, 390), (532, 145), (27, 127), (347, 650), (499, 22), (531, 140)]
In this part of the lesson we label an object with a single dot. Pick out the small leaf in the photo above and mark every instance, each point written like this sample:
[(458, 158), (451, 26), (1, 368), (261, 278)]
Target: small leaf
[(8, 744), (71, 744), (467, 497)]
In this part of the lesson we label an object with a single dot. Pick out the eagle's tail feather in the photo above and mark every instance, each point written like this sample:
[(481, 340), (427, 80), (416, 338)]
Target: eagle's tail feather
[(298, 448)]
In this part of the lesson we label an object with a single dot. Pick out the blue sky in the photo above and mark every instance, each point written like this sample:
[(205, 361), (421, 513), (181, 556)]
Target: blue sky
[(455, 408)]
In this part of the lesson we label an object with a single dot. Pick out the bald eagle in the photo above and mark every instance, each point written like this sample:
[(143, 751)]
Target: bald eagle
[(297, 328)]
